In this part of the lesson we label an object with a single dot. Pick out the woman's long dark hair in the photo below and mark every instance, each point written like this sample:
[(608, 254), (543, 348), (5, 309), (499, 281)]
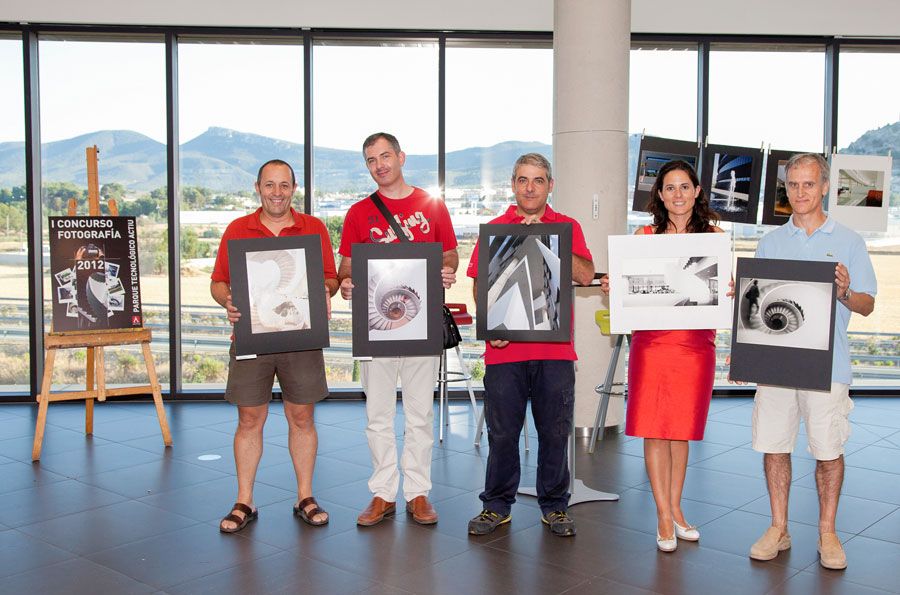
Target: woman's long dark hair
[(701, 217)]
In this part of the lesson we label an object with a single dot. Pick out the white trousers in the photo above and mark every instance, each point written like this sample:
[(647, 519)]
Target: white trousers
[(417, 376)]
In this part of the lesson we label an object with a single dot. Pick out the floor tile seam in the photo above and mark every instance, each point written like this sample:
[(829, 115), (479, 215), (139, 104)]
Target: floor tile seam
[(86, 559), (84, 478), (708, 502), (881, 539), (14, 492), (554, 565), (864, 467), (816, 567), (253, 560), (776, 588)]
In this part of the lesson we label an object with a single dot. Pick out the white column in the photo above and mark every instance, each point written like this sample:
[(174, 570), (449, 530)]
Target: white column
[(591, 43)]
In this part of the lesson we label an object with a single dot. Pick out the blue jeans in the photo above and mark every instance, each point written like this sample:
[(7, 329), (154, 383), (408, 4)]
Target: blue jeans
[(507, 387)]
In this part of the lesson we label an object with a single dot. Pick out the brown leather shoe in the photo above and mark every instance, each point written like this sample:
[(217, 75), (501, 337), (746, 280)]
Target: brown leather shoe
[(375, 512), (422, 511)]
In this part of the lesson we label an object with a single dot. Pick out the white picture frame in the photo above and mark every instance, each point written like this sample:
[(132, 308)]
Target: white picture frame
[(669, 282), (859, 191)]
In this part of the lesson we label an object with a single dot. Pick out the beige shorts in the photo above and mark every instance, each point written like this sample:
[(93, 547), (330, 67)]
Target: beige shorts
[(826, 415)]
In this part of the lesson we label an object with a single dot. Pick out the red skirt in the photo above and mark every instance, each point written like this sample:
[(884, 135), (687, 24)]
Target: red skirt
[(670, 381)]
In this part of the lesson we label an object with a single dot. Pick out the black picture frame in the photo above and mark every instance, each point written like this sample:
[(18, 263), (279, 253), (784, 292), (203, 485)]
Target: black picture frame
[(653, 154), (776, 210), (397, 299), (497, 246), (256, 333), (796, 300), (731, 178)]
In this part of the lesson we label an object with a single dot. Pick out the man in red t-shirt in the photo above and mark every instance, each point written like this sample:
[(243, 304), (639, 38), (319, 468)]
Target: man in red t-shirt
[(423, 219), (546, 371), (301, 374)]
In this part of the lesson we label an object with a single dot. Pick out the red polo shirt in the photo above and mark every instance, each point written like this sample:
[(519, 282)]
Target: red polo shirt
[(523, 351), (250, 226)]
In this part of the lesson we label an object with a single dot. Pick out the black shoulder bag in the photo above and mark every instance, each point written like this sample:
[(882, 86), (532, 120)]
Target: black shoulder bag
[(452, 338)]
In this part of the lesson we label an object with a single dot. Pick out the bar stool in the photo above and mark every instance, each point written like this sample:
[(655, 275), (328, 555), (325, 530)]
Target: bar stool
[(462, 318), (605, 390)]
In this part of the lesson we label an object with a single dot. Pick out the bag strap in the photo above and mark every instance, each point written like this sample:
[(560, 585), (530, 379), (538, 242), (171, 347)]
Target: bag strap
[(401, 235)]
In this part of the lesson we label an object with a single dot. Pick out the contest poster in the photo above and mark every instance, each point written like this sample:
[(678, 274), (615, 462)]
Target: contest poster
[(95, 283)]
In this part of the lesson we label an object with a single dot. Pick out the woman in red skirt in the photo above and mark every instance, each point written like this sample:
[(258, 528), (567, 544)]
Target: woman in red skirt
[(670, 373)]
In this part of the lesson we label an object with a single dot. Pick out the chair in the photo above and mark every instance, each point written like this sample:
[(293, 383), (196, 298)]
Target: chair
[(605, 390), (462, 318)]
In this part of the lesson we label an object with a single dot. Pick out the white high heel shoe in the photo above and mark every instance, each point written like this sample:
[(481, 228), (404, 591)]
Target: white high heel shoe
[(666, 545), (689, 533)]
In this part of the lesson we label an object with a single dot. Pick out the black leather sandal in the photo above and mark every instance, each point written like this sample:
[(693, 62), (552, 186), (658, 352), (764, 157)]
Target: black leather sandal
[(307, 517), (241, 522)]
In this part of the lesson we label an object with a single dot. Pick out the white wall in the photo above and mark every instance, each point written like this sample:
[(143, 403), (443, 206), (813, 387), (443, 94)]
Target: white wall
[(798, 17)]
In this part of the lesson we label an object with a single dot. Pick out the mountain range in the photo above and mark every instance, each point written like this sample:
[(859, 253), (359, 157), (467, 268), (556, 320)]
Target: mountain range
[(226, 160)]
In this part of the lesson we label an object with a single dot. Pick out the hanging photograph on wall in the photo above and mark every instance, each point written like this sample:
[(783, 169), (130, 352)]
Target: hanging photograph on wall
[(775, 204), (95, 283), (654, 153), (278, 286), (669, 281), (731, 179), (525, 282), (397, 299), (783, 324), (860, 190)]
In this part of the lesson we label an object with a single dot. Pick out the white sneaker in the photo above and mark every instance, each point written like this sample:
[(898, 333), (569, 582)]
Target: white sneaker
[(689, 533)]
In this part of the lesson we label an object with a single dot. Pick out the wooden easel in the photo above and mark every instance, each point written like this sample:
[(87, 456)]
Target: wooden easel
[(95, 342)]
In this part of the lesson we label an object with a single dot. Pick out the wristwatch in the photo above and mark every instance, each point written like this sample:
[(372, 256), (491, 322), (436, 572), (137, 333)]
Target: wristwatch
[(846, 296)]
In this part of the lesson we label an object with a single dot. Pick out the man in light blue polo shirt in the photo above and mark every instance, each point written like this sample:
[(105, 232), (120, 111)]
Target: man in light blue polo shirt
[(810, 234)]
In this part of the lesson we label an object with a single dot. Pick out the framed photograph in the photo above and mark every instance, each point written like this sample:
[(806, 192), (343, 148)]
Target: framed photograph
[(278, 285), (859, 191), (397, 299), (731, 179), (775, 204), (669, 281), (783, 327), (95, 283), (525, 282), (654, 153)]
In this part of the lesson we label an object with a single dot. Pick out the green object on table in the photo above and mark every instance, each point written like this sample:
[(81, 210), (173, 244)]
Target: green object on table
[(601, 317)]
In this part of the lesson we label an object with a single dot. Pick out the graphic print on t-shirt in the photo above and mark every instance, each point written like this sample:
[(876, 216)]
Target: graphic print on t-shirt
[(416, 220)]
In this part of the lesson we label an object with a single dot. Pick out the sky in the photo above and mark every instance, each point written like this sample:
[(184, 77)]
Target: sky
[(493, 94)]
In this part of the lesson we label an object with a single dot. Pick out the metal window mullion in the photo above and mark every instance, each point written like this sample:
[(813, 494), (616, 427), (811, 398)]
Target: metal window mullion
[(173, 216)]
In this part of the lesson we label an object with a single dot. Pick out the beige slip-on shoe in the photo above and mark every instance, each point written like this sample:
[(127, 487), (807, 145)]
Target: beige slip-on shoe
[(831, 553), (774, 540)]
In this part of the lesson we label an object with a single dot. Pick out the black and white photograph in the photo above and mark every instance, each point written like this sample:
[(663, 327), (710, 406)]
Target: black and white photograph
[(397, 299), (731, 179), (654, 153), (783, 323), (679, 281), (784, 313), (525, 282), (279, 283), (860, 189), (87, 255), (65, 277), (279, 296), (776, 207), (669, 281)]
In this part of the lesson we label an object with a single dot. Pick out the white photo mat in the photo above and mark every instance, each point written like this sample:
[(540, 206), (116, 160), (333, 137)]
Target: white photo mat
[(854, 187), (669, 281)]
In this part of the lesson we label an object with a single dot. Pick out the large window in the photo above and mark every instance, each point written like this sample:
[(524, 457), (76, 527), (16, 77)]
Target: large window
[(499, 106), (14, 355), (361, 87), (869, 124), (240, 104), (109, 93), (773, 97), (662, 101)]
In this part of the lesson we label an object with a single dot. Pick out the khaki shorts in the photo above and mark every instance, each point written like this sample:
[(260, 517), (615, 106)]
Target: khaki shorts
[(826, 415), (301, 375)]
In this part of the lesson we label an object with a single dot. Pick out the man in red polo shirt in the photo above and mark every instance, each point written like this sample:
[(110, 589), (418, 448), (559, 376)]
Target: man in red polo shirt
[(545, 371), (301, 374)]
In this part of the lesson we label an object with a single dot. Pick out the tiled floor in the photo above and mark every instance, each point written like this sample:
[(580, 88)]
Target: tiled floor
[(118, 513)]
